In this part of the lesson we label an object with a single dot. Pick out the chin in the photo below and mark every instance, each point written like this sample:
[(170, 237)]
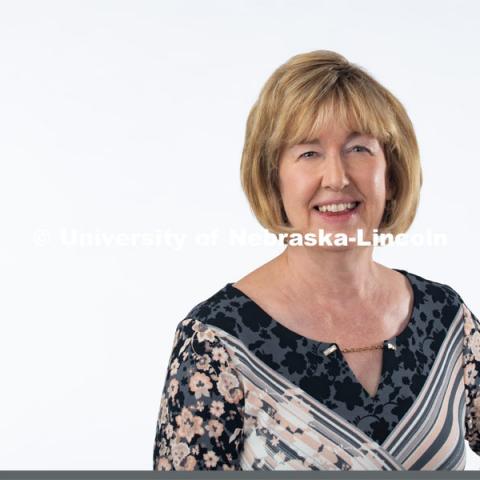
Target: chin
[(335, 248)]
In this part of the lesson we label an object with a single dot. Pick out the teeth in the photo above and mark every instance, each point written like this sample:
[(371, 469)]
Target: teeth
[(336, 207)]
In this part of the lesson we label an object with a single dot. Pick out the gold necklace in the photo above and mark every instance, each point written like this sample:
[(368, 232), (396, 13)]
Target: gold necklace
[(362, 349), (334, 347)]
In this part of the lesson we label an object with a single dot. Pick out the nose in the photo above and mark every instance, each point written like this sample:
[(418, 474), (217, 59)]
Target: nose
[(334, 173)]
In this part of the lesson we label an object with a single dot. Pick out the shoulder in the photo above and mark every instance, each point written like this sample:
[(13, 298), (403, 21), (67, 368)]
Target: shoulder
[(447, 297), (223, 310), (212, 305), (437, 305), (202, 330), (434, 292)]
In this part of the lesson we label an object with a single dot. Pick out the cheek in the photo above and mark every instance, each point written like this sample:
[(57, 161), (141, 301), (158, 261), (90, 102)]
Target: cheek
[(373, 180), (296, 186), (378, 184)]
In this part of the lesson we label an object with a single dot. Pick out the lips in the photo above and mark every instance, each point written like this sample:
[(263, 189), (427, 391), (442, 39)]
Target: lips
[(317, 207), (339, 218), (335, 201)]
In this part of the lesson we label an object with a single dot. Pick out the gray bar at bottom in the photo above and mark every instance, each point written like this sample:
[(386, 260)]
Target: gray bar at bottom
[(294, 475)]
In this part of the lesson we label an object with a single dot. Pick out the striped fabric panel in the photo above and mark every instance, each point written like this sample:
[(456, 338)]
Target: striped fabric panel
[(441, 444), (284, 435), (435, 422), (287, 429)]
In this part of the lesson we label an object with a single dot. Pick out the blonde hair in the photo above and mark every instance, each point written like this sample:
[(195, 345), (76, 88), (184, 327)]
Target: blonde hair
[(298, 99)]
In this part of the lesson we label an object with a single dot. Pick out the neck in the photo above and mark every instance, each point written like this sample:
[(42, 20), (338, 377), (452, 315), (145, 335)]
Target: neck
[(325, 276)]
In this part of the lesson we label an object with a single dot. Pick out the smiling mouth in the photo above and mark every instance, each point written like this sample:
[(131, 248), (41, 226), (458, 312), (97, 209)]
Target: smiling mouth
[(338, 213)]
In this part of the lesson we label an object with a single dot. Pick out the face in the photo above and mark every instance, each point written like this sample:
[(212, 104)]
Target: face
[(339, 164)]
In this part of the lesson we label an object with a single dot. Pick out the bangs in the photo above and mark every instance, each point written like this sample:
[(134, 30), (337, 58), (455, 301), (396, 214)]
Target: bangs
[(348, 104)]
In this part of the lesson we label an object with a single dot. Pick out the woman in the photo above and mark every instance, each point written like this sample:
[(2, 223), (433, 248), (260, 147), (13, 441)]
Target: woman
[(323, 359)]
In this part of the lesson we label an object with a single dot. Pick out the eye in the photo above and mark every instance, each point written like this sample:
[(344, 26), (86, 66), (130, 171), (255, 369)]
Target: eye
[(307, 154), (364, 149)]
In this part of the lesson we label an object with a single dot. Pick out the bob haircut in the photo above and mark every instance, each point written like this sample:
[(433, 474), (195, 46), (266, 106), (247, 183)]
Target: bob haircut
[(301, 97)]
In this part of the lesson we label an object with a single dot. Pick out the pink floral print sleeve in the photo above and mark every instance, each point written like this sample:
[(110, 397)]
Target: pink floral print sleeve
[(200, 423), (471, 365)]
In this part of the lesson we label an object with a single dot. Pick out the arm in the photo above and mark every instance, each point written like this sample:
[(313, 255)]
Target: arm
[(471, 364), (200, 424)]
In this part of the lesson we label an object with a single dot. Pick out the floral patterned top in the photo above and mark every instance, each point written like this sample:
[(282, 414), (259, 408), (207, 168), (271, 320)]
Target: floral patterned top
[(243, 392)]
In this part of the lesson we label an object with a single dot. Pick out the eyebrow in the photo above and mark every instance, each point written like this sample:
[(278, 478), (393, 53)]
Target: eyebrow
[(315, 141)]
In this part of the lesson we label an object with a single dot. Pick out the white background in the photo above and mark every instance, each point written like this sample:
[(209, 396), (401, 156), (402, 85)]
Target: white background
[(129, 116)]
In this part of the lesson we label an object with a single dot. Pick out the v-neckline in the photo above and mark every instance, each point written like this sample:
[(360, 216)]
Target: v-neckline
[(389, 355)]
